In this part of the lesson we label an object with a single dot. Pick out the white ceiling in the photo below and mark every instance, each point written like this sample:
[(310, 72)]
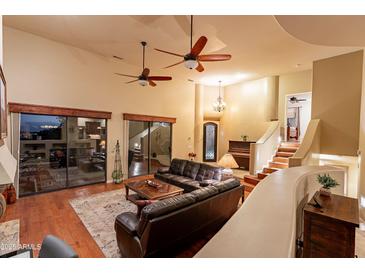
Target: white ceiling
[(258, 44), (331, 30)]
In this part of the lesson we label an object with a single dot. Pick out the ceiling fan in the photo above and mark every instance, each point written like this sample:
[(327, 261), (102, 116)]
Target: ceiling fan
[(144, 79), (193, 59), (295, 100)]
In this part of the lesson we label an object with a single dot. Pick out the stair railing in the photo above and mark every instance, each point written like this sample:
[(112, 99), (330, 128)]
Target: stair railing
[(265, 148), (309, 150)]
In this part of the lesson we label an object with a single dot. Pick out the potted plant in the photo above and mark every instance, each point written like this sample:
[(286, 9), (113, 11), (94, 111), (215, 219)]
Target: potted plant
[(244, 138), (327, 183)]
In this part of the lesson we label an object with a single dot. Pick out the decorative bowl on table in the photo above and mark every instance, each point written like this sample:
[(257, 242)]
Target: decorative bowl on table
[(153, 184)]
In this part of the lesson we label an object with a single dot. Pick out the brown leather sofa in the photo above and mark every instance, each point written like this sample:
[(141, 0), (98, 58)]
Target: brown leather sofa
[(163, 225), (189, 175)]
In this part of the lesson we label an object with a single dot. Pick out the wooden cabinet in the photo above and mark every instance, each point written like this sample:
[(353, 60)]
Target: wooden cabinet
[(329, 232)]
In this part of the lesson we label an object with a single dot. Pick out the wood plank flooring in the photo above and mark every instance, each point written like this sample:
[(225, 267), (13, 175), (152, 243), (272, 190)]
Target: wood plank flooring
[(51, 213)]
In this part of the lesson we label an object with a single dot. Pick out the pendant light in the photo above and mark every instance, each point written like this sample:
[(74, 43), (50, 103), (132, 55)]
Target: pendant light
[(219, 105)]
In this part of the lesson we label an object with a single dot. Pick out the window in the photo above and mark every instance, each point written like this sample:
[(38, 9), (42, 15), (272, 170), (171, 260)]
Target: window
[(57, 152), (210, 142)]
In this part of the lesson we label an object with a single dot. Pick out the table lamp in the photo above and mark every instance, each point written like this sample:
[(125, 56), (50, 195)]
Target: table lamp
[(228, 162)]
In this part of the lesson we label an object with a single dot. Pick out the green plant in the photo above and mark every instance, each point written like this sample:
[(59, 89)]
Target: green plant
[(244, 137), (326, 181)]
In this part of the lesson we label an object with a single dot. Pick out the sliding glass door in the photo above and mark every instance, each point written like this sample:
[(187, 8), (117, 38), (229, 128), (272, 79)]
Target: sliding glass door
[(86, 150), (160, 145), (57, 152), (149, 147), (43, 153)]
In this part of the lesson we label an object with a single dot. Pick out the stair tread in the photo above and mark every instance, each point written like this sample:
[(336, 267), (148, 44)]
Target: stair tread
[(280, 163), (271, 168), (252, 177)]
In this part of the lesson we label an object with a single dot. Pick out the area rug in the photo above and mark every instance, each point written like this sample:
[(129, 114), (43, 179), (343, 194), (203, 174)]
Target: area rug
[(9, 236), (98, 212)]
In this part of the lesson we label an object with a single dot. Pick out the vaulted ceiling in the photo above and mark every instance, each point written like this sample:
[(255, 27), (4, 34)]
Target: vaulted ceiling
[(259, 44)]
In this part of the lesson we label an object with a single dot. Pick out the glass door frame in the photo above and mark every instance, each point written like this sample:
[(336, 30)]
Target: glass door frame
[(67, 184), (150, 123)]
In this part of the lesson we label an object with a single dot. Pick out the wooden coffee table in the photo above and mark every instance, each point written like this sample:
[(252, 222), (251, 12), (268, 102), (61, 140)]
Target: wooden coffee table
[(153, 193)]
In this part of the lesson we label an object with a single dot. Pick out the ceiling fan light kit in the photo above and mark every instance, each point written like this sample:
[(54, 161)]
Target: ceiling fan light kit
[(191, 64), (142, 82)]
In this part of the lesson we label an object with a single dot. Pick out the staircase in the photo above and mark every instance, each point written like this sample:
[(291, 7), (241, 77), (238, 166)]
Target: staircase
[(279, 161)]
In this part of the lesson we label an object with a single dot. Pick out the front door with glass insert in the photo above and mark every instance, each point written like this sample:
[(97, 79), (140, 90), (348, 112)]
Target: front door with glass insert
[(210, 142)]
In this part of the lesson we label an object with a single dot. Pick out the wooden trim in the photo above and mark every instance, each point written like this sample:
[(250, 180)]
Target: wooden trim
[(51, 110), (148, 118)]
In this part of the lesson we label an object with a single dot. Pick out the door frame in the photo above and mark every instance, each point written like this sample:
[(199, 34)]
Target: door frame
[(215, 141), (286, 109)]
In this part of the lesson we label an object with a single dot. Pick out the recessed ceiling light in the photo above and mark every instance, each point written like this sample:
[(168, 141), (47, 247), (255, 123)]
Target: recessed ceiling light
[(298, 65)]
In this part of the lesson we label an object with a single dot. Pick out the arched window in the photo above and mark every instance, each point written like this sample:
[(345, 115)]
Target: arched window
[(210, 142)]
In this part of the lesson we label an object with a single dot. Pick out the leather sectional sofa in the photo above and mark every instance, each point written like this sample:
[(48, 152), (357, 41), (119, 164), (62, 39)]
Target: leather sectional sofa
[(189, 175), (164, 225)]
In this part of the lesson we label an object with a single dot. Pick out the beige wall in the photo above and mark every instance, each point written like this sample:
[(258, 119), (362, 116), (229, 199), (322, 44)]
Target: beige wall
[(336, 97), (41, 71), (246, 112), (211, 94), (361, 188), (290, 84)]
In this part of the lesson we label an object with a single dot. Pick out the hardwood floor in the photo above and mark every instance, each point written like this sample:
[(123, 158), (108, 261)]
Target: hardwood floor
[(51, 213)]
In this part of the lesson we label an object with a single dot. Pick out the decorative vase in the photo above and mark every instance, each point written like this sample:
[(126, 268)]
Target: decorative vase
[(2, 205), (11, 195), (325, 192), (5, 193)]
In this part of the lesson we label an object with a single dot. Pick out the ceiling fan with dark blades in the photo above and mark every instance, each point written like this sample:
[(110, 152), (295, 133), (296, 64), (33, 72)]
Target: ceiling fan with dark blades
[(144, 79), (193, 59), (295, 100)]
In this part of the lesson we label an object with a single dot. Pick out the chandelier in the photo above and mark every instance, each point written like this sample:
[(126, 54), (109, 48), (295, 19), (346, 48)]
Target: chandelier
[(219, 105)]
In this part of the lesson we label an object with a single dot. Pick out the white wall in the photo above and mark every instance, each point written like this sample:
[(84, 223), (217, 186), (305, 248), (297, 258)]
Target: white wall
[(45, 72)]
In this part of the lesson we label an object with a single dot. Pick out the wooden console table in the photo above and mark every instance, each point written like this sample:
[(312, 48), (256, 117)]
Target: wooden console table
[(329, 232)]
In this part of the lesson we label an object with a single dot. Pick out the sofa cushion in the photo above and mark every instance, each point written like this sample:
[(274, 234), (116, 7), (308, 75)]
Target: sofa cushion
[(180, 179), (217, 174), (191, 170), (208, 182), (163, 169), (209, 174), (227, 184), (128, 221), (204, 193), (163, 207), (200, 176), (177, 166), (166, 177)]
